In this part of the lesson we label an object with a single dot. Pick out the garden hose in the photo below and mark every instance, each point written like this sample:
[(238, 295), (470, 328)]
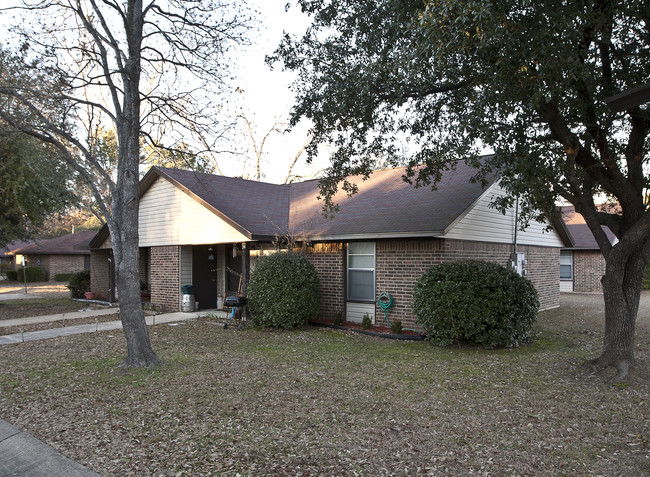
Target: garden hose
[(385, 302)]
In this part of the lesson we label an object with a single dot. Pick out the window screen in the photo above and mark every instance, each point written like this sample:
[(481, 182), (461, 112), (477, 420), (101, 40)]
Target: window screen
[(361, 271)]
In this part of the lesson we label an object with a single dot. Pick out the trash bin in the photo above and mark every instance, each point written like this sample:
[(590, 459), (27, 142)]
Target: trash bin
[(187, 303), (187, 289)]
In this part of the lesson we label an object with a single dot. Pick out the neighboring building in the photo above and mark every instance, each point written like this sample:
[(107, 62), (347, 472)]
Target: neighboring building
[(582, 266), (66, 254), (208, 230), (6, 253)]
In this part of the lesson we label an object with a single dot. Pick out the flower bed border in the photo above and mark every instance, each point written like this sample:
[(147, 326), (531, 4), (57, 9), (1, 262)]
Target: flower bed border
[(391, 336)]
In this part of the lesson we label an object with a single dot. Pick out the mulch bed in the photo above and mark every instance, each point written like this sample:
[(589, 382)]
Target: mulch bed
[(374, 330)]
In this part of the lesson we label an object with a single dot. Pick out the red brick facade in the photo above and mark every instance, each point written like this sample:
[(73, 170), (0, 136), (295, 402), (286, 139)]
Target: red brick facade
[(329, 260), (165, 277), (588, 270), (100, 274), (400, 262)]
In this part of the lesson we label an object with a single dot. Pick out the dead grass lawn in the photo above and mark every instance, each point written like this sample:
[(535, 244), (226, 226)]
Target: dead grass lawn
[(321, 402)]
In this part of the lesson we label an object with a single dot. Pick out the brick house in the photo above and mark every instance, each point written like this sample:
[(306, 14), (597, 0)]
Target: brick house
[(66, 254), (582, 266), (208, 231)]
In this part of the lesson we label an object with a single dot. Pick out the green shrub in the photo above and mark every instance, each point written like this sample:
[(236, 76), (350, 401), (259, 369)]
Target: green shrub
[(366, 322), (79, 284), (479, 303), (646, 279), (63, 277), (32, 274), (396, 327), (283, 291), (12, 275), (5, 267)]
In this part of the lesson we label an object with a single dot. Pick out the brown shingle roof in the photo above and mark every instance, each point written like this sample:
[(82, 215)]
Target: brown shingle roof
[(260, 208), (71, 244), (7, 250), (385, 205), (580, 232)]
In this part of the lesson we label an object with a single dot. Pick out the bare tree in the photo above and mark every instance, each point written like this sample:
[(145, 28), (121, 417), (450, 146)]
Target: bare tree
[(257, 144), (137, 65)]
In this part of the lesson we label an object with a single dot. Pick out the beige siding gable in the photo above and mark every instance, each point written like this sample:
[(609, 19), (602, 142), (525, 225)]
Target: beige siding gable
[(168, 216), (485, 224)]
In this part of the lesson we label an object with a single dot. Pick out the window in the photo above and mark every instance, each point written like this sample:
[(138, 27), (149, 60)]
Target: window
[(361, 271), (566, 265)]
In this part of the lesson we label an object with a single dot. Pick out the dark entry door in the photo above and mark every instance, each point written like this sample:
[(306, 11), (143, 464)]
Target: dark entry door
[(204, 275)]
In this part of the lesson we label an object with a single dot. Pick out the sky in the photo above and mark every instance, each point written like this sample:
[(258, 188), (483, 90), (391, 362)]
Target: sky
[(262, 94), (266, 95)]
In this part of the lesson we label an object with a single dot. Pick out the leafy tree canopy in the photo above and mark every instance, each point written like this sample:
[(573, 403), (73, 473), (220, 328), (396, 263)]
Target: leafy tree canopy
[(34, 183), (440, 80)]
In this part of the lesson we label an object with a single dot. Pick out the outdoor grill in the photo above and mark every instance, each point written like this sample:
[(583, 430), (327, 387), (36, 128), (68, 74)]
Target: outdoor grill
[(235, 301)]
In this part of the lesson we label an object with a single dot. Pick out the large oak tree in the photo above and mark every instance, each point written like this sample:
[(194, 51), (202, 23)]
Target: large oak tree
[(140, 67), (437, 81)]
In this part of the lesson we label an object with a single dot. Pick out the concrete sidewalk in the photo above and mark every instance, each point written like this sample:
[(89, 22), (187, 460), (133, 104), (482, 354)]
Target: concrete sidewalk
[(168, 318), (73, 315), (22, 455), (17, 296)]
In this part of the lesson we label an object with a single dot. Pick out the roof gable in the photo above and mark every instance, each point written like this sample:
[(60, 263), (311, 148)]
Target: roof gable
[(257, 209)]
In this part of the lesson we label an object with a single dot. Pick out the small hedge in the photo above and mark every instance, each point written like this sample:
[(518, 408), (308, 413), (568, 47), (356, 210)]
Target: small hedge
[(478, 303), (283, 291), (79, 284), (32, 274), (63, 277), (646, 279), (12, 275)]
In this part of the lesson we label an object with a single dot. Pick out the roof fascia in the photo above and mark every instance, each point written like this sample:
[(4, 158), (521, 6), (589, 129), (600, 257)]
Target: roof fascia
[(462, 215), (99, 238)]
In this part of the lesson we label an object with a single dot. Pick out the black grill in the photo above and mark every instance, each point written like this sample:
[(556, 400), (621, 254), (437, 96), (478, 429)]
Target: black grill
[(235, 301)]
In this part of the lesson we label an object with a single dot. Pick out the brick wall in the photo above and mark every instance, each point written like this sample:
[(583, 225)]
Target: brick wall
[(588, 270), (100, 273), (400, 262), (164, 273), (329, 260), (65, 264), (56, 264)]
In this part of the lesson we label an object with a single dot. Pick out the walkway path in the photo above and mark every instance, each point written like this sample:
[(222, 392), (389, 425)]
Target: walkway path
[(22, 455), (90, 328)]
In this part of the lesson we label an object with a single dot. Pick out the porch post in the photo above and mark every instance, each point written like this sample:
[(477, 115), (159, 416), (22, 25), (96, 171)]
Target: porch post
[(245, 255)]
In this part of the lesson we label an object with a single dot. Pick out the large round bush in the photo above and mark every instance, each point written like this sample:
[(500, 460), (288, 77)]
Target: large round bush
[(283, 291), (480, 303)]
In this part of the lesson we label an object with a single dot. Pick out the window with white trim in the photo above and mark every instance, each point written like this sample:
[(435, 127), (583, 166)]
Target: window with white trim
[(566, 265), (361, 271)]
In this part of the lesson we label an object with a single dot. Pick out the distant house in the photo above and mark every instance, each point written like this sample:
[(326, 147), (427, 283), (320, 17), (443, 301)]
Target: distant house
[(66, 254), (208, 231), (582, 266), (6, 255)]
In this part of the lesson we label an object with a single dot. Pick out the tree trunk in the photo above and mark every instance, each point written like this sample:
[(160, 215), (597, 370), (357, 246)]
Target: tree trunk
[(126, 202), (622, 292)]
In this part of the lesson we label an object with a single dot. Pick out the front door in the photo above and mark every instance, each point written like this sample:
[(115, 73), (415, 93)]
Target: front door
[(204, 275)]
